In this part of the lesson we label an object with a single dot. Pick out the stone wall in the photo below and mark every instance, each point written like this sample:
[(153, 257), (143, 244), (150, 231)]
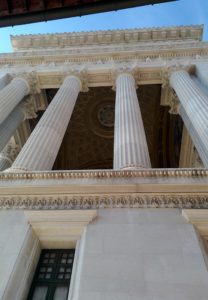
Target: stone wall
[(124, 254), (132, 254)]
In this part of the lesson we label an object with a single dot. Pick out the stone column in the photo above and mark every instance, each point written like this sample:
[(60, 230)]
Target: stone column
[(194, 110), (14, 92), (130, 145), (41, 149), (8, 155), (4, 80), (23, 111), (194, 136), (201, 70)]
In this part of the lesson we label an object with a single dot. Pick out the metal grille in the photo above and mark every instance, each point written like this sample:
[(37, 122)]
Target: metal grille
[(53, 274)]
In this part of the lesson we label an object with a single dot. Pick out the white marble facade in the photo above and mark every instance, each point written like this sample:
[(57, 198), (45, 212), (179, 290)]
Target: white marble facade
[(131, 239)]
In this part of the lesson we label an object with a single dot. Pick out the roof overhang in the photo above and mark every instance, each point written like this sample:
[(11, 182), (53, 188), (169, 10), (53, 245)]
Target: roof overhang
[(13, 12)]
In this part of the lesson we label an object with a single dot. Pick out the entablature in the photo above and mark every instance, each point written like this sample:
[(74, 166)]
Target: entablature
[(127, 36), (163, 51), (179, 188), (101, 73)]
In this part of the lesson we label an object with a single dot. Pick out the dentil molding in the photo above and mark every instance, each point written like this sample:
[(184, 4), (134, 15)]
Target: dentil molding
[(127, 36)]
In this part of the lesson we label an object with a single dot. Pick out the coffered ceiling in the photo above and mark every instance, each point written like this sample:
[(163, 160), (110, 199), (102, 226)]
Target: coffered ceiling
[(88, 141)]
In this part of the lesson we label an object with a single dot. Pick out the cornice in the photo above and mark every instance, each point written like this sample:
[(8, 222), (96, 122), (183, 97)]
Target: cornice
[(111, 53), (106, 37), (181, 188)]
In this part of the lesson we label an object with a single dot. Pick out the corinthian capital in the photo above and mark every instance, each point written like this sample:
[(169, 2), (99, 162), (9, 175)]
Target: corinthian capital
[(82, 75), (10, 151), (28, 108), (174, 103), (123, 69), (32, 80), (166, 72)]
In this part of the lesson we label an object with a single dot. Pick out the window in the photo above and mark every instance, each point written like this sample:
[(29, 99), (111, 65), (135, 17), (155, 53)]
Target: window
[(52, 276)]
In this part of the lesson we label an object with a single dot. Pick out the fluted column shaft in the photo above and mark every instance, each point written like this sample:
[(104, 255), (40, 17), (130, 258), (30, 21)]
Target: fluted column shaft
[(11, 95), (130, 145), (41, 149), (10, 125), (202, 73), (194, 110), (3, 81), (194, 136)]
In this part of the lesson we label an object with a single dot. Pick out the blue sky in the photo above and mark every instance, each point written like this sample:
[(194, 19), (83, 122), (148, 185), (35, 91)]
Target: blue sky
[(182, 12)]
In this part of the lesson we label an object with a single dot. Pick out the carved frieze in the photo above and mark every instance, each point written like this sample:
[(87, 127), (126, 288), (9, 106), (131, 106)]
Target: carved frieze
[(182, 195), (93, 201)]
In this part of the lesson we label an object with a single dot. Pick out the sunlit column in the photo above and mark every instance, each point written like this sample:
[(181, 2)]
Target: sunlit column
[(24, 110), (14, 92), (4, 80), (41, 149), (194, 110), (130, 145)]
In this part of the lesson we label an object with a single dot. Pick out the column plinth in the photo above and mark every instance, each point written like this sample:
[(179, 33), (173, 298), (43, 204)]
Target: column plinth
[(41, 149), (193, 110), (130, 145)]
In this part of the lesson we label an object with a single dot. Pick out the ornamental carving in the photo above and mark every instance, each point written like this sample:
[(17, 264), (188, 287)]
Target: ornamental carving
[(104, 201), (124, 68), (174, 66), (82, 75), (10, 152), (174, 103), (32, 80), (97, 174), (28, 108)]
